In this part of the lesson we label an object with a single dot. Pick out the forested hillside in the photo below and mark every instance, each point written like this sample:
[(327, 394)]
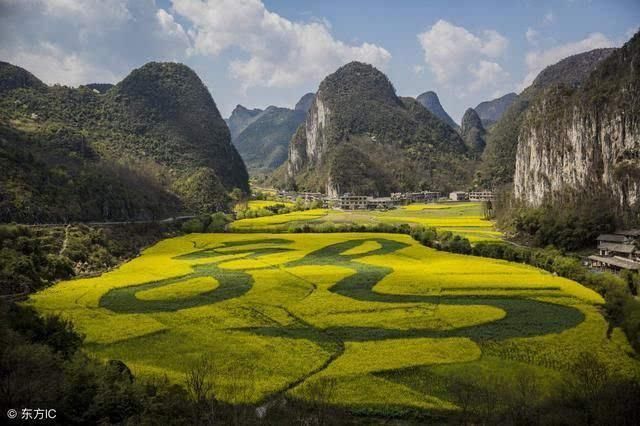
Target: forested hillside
[(152, 146), (360, 137)]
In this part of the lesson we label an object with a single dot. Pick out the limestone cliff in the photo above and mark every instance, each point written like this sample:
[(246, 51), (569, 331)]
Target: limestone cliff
[(499, 156), (575, 142)]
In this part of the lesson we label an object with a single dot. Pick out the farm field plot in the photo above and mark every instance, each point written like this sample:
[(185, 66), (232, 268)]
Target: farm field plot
[(378, 314), (261, 204), (465, 219)]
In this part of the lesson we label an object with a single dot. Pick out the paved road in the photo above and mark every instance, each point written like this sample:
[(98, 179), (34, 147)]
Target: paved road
[(130, 222)]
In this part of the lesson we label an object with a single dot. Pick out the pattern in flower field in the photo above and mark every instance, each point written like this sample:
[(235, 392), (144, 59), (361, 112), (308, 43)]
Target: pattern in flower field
[(383, 315)]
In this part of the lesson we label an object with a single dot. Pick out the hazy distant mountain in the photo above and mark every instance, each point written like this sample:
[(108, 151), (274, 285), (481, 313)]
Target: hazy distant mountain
[(262, 136), (240, 118), (491, 111), (305, 102), (360, 137), (431, 102), (263, 143), (154, 145), (499, 157)]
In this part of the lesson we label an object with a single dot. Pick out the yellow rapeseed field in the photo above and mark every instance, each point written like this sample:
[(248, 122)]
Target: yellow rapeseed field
[(464, 219), (379, 314)]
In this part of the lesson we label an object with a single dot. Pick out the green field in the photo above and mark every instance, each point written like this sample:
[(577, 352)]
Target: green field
[(465, 219), (261, 204), (389, 321)]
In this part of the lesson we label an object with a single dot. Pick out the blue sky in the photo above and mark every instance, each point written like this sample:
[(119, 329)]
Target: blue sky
[(260, 53)]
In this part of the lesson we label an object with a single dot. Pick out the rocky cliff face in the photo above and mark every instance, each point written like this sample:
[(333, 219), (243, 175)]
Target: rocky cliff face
[(431, 102), (360, 137), (576, 142)]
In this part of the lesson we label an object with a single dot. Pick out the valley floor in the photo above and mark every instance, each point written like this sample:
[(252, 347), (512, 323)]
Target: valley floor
[(462, 218), (376, 320)]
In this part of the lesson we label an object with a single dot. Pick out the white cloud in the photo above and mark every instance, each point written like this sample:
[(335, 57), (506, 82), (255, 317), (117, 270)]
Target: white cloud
[(418, 69), (486, 75), (532, 36), (459, 58), (281, 53), (170, 28), (80, 41), (549, 18), (537, 60), (52, 64), (88, 11)]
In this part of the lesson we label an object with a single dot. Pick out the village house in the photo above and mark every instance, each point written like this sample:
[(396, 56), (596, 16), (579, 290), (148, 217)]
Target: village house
[(422, 196), (353, 202), (616, 252), (363, 202), (481, 196), (380, 202), (306, 196)]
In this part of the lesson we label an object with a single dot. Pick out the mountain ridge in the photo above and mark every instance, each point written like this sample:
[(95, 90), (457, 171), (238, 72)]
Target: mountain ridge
[(360, 137), (152, 146), (431, 102)]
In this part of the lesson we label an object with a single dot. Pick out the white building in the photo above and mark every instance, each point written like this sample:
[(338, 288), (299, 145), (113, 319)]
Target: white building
[(481, 196), (458, 196)]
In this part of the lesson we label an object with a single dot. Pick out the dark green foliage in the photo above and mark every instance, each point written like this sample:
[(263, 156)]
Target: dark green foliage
[(74, 155), (216, 222), (33, 257), (168, 103), (472, 132), (12, 77), (53, 175), (202, 191), (566, 226), (57, 333)]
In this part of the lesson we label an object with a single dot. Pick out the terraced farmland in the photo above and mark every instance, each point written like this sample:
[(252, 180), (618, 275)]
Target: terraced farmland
[(465, 219), (387, 320)]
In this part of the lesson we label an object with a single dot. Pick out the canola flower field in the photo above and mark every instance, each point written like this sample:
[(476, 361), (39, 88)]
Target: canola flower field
[(462, 218), (389, 321)]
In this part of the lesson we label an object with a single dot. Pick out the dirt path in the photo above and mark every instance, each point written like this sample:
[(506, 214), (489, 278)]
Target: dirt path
[(65, 242)]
